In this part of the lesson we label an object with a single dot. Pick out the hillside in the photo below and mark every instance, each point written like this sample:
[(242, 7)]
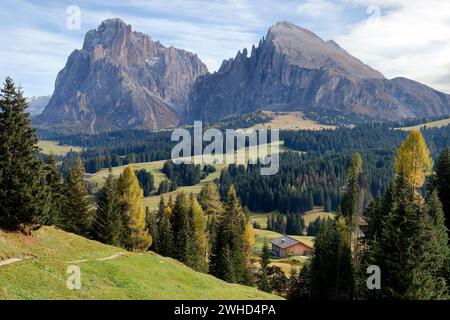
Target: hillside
[(107, 272)]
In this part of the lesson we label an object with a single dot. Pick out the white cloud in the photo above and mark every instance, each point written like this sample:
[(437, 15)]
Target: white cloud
[(411, 40), (319, 8)]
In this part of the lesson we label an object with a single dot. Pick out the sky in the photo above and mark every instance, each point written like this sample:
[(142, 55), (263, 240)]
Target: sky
[(408, 38)]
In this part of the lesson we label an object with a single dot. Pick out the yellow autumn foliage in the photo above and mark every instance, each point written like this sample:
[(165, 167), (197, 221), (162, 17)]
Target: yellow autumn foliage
[(137, 237), (413, 161)]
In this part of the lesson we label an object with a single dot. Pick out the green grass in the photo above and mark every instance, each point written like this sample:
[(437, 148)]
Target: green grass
[(131, 276), (53, 147), (310, 216), (433, 124), (317, 212)]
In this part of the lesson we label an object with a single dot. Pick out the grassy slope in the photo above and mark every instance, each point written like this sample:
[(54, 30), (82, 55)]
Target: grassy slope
[(291, 121), (132, 276), (434, 124), (53, 147)]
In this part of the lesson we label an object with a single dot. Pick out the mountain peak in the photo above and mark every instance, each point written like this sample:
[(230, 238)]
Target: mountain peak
[(114, 22), (307, 50), (121, 79)]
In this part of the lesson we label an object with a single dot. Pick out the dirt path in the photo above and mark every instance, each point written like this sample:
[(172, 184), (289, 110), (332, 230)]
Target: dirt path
[(15, 260), (114, 256), (12, 260)]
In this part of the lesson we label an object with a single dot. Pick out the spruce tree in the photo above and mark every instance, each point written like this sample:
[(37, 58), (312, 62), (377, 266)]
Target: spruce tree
[(331, 264), (157, 218), (165, 233), (300, 283), (181, 226), (23, 192), (108, 221), (442, 183), (51, 214), (263, 283), (136, 235), (227, 253), (77, 214)]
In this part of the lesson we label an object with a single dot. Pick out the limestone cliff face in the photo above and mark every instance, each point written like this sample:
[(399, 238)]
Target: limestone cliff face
[(121, 79), (293, 69)]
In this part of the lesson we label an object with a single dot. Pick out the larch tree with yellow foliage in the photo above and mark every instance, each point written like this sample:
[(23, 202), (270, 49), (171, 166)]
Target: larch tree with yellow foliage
[(198, 259), (413, 161), (136, 236)]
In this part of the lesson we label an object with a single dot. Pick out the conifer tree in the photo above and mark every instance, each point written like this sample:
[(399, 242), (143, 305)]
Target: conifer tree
[(51, 214), (136, 235), (165, 233), (199, 242), (441, 183), (405, 236), (248, 241), (77, 214), (264, 284), (108, 221), (209, 199), (181, 226), (23, 192), (227, 254), (157, 218), (331, 264), (300, 283)]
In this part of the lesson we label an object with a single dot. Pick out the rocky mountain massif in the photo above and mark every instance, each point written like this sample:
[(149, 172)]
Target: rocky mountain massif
[(37, 104), (293, 69), (121, 79)]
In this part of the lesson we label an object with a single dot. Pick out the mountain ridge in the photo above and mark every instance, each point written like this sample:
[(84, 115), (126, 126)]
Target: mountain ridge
[(292, 69)]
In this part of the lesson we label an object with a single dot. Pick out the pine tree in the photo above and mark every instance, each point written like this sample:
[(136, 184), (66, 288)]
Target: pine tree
[(23, 191), (77, 214), (264, 284), (151, 219), (199, 243), (136, 236), (108, 221)]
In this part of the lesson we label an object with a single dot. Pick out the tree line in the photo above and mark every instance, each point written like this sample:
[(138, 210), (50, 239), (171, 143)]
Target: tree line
[(305, 181)]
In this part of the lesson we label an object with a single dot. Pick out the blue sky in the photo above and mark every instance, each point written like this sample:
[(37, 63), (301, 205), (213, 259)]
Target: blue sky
[(408, 38)]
